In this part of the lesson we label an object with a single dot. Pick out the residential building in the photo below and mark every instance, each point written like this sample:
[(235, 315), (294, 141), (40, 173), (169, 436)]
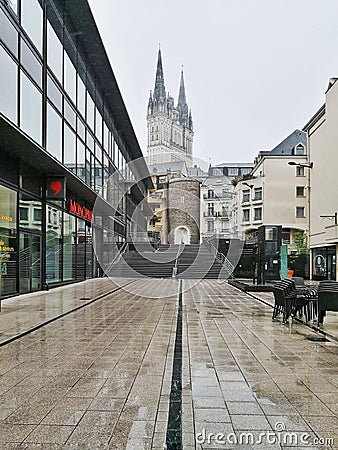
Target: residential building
[(64, 132), (170, 128), (217, 198), (322, 136), (275, 193), (231, 170)]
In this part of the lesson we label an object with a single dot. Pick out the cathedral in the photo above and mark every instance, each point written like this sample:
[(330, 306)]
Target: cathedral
[(170, 128)]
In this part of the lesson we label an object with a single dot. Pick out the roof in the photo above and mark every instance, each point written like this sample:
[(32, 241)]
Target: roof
[(238, 165), (286, 147), (163, 168)]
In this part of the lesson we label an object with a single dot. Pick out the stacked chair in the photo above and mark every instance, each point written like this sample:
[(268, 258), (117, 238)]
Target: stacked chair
[(327, 299), (293, 297)]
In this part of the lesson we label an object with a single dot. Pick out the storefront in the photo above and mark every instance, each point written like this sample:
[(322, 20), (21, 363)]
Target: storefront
[(43, 243), (324, 263)]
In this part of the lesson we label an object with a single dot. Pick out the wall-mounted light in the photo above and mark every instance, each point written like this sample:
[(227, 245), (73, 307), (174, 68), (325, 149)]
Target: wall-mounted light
[(308, 165)]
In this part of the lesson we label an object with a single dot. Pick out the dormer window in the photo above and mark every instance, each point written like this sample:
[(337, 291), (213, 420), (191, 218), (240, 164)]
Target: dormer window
[(300, 149)]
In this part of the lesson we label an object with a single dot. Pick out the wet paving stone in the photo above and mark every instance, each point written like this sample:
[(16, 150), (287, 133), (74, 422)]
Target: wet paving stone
[(101, 377)]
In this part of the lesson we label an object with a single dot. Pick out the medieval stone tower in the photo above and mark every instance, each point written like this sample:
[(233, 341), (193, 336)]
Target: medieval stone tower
[(170, 128)]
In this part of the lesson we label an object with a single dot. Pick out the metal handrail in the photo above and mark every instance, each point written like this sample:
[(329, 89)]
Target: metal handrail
[(118, 256), (179, 251), (221, 258)]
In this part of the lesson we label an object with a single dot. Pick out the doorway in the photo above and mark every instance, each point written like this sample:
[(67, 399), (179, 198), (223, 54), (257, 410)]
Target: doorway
[(29, 262)]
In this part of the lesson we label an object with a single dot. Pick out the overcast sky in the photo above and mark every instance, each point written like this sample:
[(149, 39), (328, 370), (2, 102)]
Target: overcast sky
[(255, 70)]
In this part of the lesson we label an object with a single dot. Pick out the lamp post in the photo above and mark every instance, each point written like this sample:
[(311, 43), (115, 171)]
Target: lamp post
[(308, 165)]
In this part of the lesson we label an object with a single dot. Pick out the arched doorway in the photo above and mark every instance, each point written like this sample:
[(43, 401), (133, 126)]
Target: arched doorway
[(182, 235)]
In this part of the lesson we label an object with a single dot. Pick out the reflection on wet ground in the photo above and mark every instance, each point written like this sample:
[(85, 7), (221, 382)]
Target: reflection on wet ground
[(100, 377)]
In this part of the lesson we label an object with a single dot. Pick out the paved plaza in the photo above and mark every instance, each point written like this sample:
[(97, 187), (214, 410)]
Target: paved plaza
[(106, 364)]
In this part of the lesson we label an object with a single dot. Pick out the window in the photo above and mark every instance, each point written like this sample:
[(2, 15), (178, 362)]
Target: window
[(246, 215), (233, 172), (225, 226), (300, 211), (246, 196), (8, 34), (300, 171), (70, 78), (211, 209), (54, 94), (23, 214), (54, 128), (211, 193), (54, 52), (31, 109), (30, 63), (246, 171), (257, 213), (37, 214), (90, 111), (81, 96), (300, 191), (210, 226), (31, 18), (300, 149), (258, 194), (69, 148), (8, 86)]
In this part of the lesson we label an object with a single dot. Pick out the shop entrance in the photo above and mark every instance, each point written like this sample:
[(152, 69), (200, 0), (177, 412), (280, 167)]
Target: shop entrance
[(29, 262)]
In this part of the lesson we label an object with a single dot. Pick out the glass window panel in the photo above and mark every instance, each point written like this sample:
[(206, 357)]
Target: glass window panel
[(70, 114), (53, 244), (90, 141), (81, 160), (98, 125), (69, 148), (8, 86), (69, 247), (8, 241), (54, 133), (90, 111), (81, 96), (8, 34), (105, 137), (70, 78), (54, 94), (98, 152), (31, 18), (30, 212), (81, 250), (31, 109), (54, 52), (30, 63), (81, 128)]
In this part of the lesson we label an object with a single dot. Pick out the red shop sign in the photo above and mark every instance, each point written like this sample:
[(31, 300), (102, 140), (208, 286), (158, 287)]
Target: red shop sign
[(80, 211)]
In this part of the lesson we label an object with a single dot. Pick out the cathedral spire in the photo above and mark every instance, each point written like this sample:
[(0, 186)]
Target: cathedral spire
[(181, 96), (159, 90), (182, 106)]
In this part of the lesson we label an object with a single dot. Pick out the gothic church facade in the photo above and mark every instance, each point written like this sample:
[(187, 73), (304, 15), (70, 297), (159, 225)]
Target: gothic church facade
[(170, 128)]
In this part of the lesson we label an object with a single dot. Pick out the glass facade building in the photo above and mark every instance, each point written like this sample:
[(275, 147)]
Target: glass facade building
[(62, 116)]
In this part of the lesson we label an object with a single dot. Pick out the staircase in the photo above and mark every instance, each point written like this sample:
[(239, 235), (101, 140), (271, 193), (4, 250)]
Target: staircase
[(193, 262)]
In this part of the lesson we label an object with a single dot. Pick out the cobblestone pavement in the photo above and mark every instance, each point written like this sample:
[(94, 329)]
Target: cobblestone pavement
[(101, 377)]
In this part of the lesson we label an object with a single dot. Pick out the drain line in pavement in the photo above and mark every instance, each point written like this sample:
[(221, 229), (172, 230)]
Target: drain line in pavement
[(174, 428)]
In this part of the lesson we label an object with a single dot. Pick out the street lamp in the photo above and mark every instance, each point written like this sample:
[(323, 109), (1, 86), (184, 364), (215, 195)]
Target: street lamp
[(308, 165)]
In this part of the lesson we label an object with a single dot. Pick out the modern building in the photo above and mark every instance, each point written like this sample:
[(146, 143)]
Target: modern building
[(170, 127), (275, 193), (64, 132), (322, 134)]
